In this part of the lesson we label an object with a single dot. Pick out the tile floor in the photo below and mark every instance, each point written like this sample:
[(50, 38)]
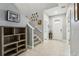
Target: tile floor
[(48, 48)]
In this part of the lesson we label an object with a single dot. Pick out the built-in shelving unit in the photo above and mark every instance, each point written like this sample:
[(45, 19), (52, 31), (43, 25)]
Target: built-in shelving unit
[(12, 40), (0, 41)]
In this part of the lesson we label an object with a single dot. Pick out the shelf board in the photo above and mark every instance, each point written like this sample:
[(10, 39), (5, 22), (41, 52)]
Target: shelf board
[(8, 35), (21, 50), (11, 54), (22, 40), (10, 43), (16, 34), (14, 54), (21, 45), (9, 50), (22, 33), (19, 33)]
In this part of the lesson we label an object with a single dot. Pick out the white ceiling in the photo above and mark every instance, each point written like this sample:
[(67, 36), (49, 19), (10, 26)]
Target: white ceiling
[(55, 11), (29, 8), (52, 8), (60, 9)]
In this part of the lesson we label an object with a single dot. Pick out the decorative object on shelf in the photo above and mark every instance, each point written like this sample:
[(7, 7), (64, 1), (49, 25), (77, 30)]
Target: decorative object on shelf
[(12, 16), (76, 11), (39, 22)]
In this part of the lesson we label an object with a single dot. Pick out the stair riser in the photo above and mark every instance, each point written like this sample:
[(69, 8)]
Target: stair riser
[(36, 40), (37, 43)]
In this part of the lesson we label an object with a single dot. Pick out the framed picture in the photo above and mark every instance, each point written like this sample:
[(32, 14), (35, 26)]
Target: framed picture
[(12, 16), (76, 11)]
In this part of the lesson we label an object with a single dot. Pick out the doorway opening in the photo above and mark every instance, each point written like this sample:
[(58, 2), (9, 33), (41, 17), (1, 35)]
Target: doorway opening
[(58, 25)]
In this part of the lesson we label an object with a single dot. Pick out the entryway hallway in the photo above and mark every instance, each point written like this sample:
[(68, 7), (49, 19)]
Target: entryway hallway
[(48, 48)]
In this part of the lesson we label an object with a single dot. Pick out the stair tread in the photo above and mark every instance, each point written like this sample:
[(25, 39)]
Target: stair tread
[(38, 42)]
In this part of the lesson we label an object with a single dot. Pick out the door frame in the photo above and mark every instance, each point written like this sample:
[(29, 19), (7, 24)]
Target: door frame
[(45, 37)]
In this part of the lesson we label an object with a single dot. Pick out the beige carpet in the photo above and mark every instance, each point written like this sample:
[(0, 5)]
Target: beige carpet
[(48, 48)]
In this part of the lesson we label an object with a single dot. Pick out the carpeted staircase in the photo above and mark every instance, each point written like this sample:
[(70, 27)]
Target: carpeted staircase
[(36, 40)]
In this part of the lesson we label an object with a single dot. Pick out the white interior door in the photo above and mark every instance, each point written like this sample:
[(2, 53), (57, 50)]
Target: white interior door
[(58, 27)]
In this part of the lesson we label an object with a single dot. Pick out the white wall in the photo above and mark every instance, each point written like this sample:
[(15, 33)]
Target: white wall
[(50, 24), (29, 8), (10, 6), (74, 42)]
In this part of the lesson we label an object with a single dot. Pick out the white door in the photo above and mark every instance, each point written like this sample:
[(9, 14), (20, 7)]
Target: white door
[(58, 27)]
